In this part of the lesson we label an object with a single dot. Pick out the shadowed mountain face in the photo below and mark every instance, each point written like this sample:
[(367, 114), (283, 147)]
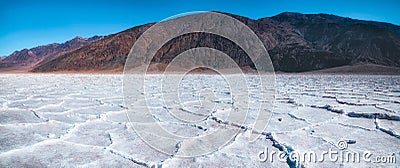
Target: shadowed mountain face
[(323, 41), (295, 42)]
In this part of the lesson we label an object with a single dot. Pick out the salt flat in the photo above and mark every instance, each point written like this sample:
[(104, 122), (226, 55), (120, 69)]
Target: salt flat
[(76, 120)]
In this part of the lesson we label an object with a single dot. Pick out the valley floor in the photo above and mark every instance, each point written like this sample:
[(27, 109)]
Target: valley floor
[(70, 120)]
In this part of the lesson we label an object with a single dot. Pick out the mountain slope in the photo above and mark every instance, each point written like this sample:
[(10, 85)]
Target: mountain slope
[(296, 43), (26, 58), (106, 54), (340, 40)]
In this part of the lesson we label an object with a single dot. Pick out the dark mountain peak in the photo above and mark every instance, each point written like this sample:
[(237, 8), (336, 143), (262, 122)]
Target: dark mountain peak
[(289, 14), (298, 18), (52, 44), (79, 37), (95, 38), (23, 50)]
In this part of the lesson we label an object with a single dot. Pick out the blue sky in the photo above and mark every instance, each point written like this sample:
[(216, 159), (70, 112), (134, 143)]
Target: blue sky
[(26, 24)]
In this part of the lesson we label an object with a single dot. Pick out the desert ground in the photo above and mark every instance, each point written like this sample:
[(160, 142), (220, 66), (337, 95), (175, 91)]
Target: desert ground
[(81, 120)]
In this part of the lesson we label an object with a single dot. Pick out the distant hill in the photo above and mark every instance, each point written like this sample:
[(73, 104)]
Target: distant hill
[(26, 59), (107, 54), (296, 43)]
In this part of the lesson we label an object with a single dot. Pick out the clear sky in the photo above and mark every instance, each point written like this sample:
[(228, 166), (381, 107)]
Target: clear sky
[(26, 24)]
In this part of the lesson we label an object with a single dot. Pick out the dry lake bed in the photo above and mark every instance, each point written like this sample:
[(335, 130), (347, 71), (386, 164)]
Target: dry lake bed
[(76, 120)]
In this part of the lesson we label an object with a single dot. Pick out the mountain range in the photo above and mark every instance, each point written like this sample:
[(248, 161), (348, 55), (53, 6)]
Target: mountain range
[(27, 59), (295, 42)]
